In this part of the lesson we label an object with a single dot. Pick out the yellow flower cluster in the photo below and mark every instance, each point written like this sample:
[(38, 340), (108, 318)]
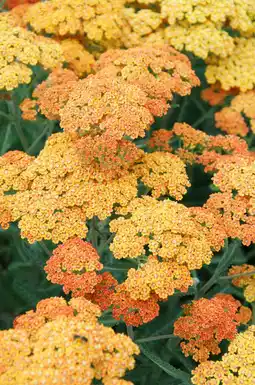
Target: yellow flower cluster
[(161, 278), (166, 227), (57, 191), (65, 350), (51, 308), (245, 281), (78, 59), (237, 69), (236, 367), (98, 20), (165, 173), (20, 49)]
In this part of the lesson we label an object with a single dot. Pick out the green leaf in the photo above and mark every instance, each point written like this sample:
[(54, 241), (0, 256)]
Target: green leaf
[(169, 369)]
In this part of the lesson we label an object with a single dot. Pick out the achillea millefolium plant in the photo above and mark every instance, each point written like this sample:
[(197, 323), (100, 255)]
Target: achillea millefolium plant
[(127, 192)]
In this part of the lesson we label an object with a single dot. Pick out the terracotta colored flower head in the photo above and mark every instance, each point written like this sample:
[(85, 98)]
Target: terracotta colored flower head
[(74, 265), (207, 322)]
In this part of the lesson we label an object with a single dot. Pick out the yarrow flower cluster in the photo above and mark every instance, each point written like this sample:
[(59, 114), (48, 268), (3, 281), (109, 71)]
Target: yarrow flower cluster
[(65, 344), (74, 265), (233, 119), (246, 280), (207, 322), (25, 49), (236, 366)]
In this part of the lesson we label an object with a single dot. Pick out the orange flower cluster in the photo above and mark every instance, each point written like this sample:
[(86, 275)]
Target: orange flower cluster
[(100, 105), (10, 4), (233, 119), (215, 95), (235, 214), (79, 60), (245, 281), (160, 139), (50, 96), (210, 151), (158, 70), (133, 312), (65, 348), (207, 322), (52, 308), (236, 366), (74, 265), (103, 293)]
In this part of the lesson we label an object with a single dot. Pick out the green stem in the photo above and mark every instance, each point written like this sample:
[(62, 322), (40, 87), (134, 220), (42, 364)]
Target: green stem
[(205, 116), (45, 248), (93, 233), (238, 275), (44, 132), (130, 332), (157, 338), (16, 117), (225, 261)]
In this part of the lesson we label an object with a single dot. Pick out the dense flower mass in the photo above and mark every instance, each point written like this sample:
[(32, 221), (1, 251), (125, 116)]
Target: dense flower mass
[(25, 49), (97, 20), (233, 119), (245, 281), (236, 366), (74, 265), (207, 322), (165, 227), (235, 70), (107, 105), (158, 70), (64, 349), (79, 60), (134, 312), (50, 96), (52, 308)]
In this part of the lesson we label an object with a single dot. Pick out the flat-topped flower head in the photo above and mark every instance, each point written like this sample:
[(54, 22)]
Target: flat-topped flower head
[(133, 312), (98, 21), (161, 278), (235, 70), (25, 49), (50, 96), (65, 350), (52, 308), (165, 227), (236, 366), (74, 265), (159, 70), (98, 105), (239, 117), (207, 322)]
